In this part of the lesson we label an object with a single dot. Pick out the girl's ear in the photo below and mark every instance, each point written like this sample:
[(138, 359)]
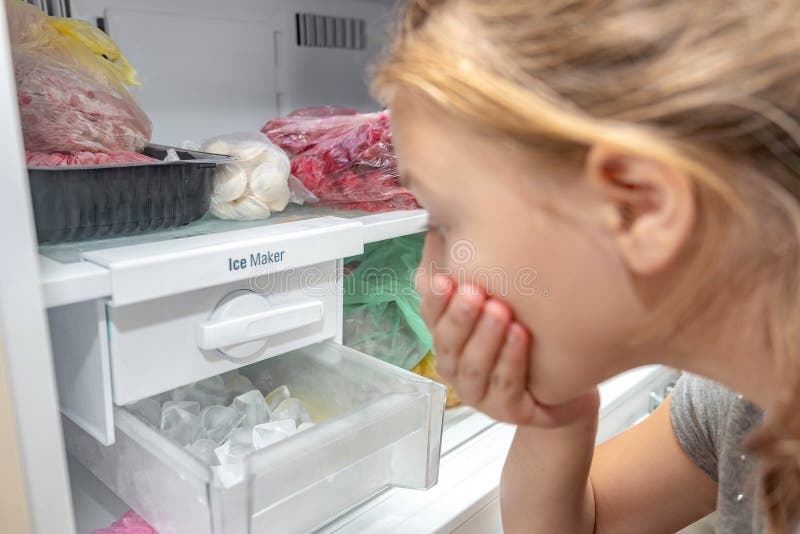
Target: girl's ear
[(649, 207)]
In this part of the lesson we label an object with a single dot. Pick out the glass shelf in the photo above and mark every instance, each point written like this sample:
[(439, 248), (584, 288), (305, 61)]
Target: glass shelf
[(70, 252)]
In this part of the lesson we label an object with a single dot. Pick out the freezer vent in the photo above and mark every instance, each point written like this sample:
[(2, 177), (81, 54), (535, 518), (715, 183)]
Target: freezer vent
[(321, 31), (54, 8)]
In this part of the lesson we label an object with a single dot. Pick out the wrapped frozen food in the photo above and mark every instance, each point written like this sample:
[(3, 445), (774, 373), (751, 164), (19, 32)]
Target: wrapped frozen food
[(257, 183), (130, 523), (381, 306), (427, 368), (69, 159), (345, 158), (71, 86)]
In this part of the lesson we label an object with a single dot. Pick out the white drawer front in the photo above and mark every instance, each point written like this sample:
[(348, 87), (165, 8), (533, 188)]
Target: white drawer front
[(156, 345)]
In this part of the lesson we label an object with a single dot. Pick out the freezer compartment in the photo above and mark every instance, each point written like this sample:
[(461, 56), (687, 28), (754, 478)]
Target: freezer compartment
[(378, 427)]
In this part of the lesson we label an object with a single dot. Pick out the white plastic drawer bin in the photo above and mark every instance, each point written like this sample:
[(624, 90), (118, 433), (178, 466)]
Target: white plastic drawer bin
[(382, 429)]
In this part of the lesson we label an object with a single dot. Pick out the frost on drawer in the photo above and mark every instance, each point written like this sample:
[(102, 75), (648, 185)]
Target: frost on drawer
[(376, 427)]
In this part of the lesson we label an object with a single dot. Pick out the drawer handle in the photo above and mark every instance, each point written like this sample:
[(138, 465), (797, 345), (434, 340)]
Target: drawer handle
[(249, 317)]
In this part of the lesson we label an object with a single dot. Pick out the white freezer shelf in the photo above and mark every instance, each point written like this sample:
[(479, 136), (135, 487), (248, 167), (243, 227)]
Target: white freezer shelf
[(67, 279), (68, 283)]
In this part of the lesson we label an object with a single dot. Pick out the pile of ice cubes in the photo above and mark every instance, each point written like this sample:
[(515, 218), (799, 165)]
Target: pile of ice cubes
[(224, 418)]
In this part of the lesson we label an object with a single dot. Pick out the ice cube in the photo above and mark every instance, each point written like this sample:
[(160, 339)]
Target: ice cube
[(239, 445), (294, 409), (219, 421), (181, 426), (269, 433), (241, 442), (149, 410), (236, 384), (203, 449), (277, 396), (253, 406), (229, 474), (206, 392), (192, 407), (222, 455), (260, 378), (304, 426)]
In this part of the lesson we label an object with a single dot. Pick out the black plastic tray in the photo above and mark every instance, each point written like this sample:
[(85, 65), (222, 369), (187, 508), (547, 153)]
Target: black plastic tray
[(84, 202)]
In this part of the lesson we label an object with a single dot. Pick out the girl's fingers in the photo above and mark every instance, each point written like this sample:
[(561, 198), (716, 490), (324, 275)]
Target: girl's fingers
[(507, 390), (454, 327), (481, 351)]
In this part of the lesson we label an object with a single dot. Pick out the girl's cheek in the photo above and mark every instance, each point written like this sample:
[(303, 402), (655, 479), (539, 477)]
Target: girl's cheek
[(434, 255), (441, 230)]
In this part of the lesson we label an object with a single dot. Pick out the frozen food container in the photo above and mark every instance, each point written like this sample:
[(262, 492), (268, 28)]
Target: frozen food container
[(82, 202), (380, 427)]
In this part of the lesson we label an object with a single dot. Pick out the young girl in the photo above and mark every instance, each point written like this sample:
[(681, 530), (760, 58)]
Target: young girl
[(614, 183)]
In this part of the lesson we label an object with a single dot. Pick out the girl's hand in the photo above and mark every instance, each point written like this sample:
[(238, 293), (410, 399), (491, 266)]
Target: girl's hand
[(484, 354)]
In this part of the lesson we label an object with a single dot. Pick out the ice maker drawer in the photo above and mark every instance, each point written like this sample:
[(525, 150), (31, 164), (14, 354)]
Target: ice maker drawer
[(383, 428), (156, 345), (181, 310), (109, 354)]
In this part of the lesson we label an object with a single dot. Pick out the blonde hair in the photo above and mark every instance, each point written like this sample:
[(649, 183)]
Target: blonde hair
[(711, 87)]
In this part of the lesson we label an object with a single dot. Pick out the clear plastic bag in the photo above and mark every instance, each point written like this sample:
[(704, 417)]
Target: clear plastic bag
[(381, 306), (71, 87), (257, 183), (130, 523), (345, 158), (59, 159)]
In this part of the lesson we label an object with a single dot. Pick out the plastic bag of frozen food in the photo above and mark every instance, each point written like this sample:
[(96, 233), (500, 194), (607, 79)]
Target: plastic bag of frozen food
[(59, 159), (257, 183), (381, 306), (345, 158), (130, 523), (427, 368), (101, 44), (71, 86)]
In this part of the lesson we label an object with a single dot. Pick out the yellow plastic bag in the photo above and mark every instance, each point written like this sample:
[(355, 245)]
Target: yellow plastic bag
[(106, 50), (427, 368), (71, 86)]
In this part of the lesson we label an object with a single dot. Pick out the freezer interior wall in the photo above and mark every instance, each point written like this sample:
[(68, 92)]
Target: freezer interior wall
[(210, 67)]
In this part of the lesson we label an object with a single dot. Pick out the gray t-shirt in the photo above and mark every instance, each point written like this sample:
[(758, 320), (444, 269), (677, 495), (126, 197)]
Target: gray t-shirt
[(710, 423)]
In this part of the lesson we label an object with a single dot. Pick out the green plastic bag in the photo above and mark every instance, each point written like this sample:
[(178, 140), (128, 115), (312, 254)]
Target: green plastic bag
[(381, 306)]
